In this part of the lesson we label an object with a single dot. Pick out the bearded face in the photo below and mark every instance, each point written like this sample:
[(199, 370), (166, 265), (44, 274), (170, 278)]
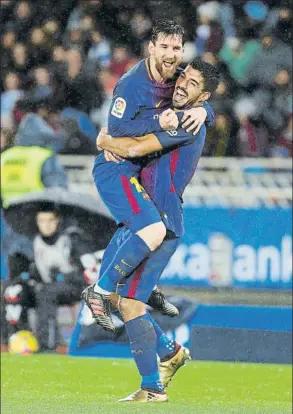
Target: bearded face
[(168, 54)]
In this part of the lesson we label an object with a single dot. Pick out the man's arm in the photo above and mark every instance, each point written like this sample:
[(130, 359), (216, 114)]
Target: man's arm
[(211, 117), (141, 146), (129, 147)]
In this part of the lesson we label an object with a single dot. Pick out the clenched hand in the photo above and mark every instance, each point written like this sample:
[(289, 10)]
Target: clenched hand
[(169, 120)]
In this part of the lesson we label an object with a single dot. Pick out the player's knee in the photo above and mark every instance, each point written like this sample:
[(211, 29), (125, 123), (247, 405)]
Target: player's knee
[(159, 234), (153, 235), (131, 309)]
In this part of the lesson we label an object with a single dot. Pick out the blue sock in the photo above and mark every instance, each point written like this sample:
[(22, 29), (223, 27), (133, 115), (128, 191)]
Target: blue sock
[(143, 342), (165, 346), (126, 260)]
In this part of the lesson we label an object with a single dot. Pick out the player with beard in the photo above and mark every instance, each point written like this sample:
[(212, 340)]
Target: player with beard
[(139, 100)]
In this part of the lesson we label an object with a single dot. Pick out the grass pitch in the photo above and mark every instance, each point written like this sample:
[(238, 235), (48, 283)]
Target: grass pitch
[(38, 384)]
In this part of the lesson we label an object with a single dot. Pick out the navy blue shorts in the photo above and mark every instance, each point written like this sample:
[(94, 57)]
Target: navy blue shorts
[(140, 283), (126, 199)]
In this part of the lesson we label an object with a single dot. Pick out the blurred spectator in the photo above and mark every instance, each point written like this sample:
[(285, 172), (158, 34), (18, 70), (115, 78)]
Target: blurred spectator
[(253, 139), (57, 65), (284, 148), (141, 26), (253, 15), (227, 19), (55, 278), (120, 60), (279, 22), (23, 19), (99, 53), (42, 88), (81, 130), (239, 56), (8, 42), (12, 93), (6, 9), (20, 61), (51, 29), (274, 103), (84, 8), (87, 23), (38, 47), (34, 128), (74, 38), (272, 56), (218, 137), (209, 32), (82, 92)]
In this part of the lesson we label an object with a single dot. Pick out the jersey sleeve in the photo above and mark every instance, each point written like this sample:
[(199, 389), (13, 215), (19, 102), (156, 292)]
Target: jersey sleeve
[(210, 120), (171, 139), (123, 110)]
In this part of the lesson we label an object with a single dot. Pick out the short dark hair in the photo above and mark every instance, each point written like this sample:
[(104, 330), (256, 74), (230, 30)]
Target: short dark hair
[(167, 28), (209, 73), (49, 207)]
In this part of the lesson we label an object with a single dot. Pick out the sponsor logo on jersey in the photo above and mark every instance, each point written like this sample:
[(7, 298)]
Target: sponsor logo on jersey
[(119, 108)]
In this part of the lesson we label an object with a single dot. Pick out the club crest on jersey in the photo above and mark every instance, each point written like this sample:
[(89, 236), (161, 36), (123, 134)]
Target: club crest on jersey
[(119, 108)]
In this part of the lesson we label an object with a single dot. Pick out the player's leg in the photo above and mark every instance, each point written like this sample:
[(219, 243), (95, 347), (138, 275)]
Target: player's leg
[(139, 286), (131, 206), (143, 343), (92, 298), (131, 254)]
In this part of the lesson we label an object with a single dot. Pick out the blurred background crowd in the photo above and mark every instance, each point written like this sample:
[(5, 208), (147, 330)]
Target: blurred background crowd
[(60, 61)]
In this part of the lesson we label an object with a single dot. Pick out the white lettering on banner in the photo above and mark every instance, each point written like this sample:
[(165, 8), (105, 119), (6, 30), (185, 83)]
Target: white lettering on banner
[(195, 267), (244, 267), (198, 266), (286, 257), (269, 258), (242, 263)]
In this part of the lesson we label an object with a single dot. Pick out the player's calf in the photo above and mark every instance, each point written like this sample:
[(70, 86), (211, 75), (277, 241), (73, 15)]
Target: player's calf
[(143, 343)]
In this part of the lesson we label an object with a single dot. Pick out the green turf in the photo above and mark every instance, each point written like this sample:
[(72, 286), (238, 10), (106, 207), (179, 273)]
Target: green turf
[(56, 384)]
